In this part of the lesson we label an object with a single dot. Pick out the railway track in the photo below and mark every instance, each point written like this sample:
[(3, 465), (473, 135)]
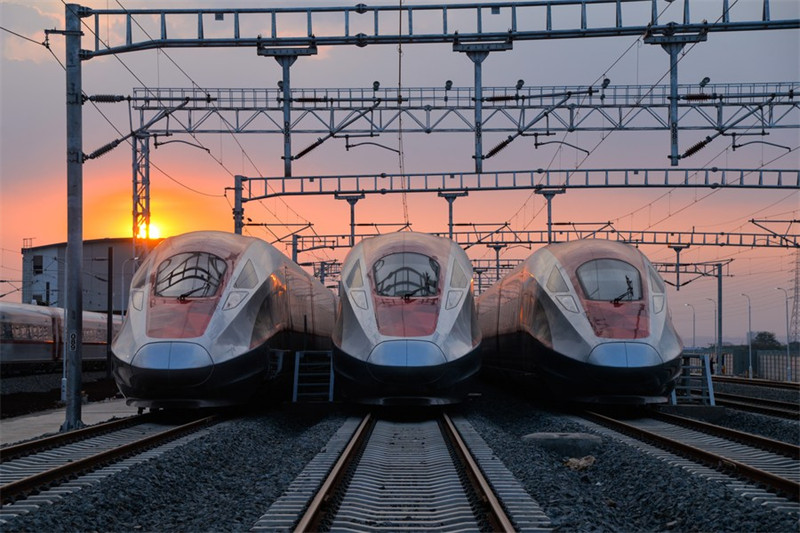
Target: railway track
[(762, 462), (427, 475), (758, 405), (50, 465), (787, 385)]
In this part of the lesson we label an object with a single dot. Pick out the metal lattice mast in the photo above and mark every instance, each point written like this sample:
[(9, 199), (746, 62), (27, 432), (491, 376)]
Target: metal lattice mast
[(794, 329), (141, 193)]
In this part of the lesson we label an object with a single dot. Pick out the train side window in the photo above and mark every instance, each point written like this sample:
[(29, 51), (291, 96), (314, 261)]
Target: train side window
[(610, 279), (354, 278), (459, 279), (556, 282), (248, 278), (190, 274)]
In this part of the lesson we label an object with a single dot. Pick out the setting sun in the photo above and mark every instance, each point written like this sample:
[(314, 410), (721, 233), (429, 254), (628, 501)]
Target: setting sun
[(154, 233)]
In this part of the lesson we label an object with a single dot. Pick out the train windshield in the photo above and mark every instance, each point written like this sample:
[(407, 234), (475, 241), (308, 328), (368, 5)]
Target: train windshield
[(611, 280), (406, 274), (190, 274)]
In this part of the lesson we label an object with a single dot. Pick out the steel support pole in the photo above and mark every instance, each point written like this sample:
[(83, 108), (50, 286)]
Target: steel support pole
[(477, 52), (451, 197), (673, 50), (286, 62), (294, 247), (678, 249), (548, 195), (110, 306), (719, 311), (73, 316), (351, 199), (673, 44), (238, 208), (749, 339), (788, 339), (497, 247), (286, 58), (477, 58)]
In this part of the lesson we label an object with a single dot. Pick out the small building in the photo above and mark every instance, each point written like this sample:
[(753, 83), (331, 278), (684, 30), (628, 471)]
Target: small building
[(44, 274)]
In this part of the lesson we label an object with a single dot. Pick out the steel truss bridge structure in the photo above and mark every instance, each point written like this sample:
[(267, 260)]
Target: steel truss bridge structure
[(474, 29)]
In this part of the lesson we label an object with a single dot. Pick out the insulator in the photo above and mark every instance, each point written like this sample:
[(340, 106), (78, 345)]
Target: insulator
[(499, 98), (698, 96), (106, 98), (103, 150), (306, 150), (499, 147), (696, 148)]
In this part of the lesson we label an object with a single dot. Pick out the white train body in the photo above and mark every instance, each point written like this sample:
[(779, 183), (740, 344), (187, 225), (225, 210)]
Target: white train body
[(406, 330)]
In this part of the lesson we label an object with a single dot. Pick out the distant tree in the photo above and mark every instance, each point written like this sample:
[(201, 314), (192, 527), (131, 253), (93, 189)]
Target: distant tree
[(765, 340)]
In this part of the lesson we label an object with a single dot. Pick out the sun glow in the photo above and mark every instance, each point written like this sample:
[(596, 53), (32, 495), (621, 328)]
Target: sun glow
[(154, 233)]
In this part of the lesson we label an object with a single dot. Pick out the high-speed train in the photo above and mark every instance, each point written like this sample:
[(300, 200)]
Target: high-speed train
[(211, 315), (406, 330), (32, 338), (586, 319)]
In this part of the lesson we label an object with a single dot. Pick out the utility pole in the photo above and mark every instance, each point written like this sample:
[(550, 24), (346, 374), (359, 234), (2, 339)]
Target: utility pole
[(73, 310)]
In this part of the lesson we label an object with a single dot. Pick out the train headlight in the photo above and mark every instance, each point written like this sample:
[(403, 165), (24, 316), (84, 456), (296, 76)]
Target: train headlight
[(234, 299), (453, 298), (568, 302), (360, 299), (137, 300), (658, 303)]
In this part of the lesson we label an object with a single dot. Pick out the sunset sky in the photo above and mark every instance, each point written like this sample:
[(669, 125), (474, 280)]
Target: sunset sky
[(188, 186)]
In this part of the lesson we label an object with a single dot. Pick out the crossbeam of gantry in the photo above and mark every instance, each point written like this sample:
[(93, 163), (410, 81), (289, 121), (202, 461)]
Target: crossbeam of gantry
[(510, 237), (256, 188), (733, 107), (362, 25)]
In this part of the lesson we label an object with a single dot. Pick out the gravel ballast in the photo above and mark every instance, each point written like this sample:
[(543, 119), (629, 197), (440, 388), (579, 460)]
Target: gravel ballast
[(226, 480), (623, 490), (221, 482)]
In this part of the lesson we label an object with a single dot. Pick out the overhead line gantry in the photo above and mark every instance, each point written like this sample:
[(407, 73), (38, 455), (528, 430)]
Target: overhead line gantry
[(468, 27)]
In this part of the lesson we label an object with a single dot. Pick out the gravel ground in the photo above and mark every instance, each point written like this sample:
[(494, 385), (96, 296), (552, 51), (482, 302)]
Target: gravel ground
[(226, 480), (624, 490), (783, 395), (221, 482)]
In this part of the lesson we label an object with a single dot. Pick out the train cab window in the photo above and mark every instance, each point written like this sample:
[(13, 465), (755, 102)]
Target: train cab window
[(458, 280), (406, 274), (611, 280), (354, 278), (556, 283), (190, 274), (248, 278)]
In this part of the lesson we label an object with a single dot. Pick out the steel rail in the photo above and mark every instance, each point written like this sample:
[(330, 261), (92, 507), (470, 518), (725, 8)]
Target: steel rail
[(497, 516), (791, 385), (15, 451), (757, 441), (758, 405), (785, 486), (16, 489), (313, 515)]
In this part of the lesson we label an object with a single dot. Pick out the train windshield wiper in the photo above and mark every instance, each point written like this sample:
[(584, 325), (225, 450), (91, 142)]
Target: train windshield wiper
[(185, 295), (628, 292)]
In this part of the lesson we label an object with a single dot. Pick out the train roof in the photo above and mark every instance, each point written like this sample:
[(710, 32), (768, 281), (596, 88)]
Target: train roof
[(406, 241), (583, 250)]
